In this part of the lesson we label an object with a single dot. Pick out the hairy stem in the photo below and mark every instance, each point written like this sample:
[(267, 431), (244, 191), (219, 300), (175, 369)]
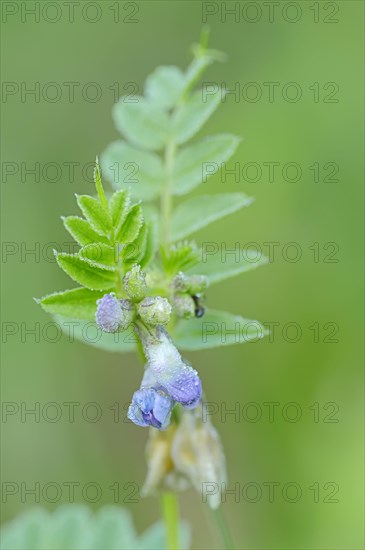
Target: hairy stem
[(166, 198), (170, 514)]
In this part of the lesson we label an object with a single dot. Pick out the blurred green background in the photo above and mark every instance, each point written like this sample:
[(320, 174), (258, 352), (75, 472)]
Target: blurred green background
[(306, 452)]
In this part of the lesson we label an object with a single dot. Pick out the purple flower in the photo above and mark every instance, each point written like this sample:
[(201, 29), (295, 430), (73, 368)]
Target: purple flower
[(170, 372), (113, 314), (181, 382), (150, 407)]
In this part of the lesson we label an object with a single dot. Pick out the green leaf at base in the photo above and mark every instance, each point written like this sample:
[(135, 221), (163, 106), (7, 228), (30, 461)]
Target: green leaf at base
[(215, 329), (199, 211), (75, 526)]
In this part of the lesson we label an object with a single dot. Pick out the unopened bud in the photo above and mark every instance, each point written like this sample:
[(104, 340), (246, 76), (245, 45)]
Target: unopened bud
[(155, 310), (191, 284), (128, 312), (135, 283), (184, 306), (197, 283), (112, 314), (181, 282)]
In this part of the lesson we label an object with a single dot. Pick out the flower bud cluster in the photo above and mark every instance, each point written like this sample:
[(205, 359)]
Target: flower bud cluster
[(114, 315)]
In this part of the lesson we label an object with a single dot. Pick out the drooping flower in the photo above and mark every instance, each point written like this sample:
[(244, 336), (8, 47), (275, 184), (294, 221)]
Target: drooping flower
[(161, 472), (197, 453), (170, 372), (150, 407), (188, 453)]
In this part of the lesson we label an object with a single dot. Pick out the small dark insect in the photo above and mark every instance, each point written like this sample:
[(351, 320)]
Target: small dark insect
[(199, 309)]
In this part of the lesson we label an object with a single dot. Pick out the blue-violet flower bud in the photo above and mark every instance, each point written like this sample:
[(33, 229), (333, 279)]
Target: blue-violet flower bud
[(113, 314)]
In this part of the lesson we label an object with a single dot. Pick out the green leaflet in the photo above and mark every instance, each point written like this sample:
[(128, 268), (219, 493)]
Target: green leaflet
[(195, 70), (125, 166), (197, 162), (100, 255), (93, 277), (215, 329), (202, 59), (179, 257), (75, 526), (164, 86), (133, 253), (82, 231), (151, 245), (217, 265), (78, 303), (119, 204), (131, 226), (95, 213), (142, 123), (89, 333), (199, 211), (99, 187), (193, 113)]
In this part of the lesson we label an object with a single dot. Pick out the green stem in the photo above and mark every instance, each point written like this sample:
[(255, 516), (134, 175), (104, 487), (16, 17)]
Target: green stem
[(166, 198), (170, 514), (223, 529)]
